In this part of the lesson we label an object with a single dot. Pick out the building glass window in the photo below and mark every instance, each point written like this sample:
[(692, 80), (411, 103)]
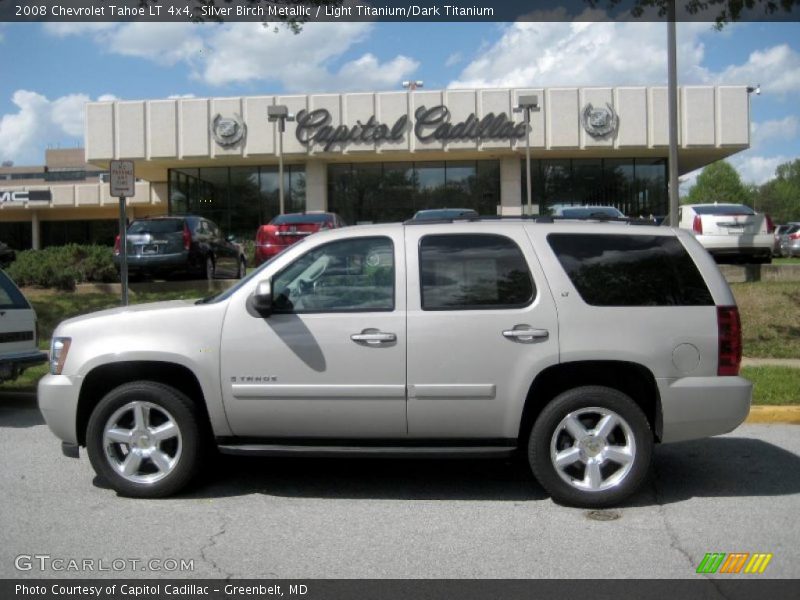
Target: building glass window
[(637, 187), (95, 231), (16, 235), (387, 192), (238, 199)]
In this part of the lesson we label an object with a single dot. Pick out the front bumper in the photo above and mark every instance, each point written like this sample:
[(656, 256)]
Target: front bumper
[(58, 402), (698, 407)]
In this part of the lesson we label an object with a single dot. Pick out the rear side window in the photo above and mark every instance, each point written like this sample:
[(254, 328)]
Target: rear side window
[(468, 272), (630, 270), (10, 296)]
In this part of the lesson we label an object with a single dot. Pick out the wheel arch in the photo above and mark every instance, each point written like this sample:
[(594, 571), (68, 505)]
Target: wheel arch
[(633, 379), (104, 378)]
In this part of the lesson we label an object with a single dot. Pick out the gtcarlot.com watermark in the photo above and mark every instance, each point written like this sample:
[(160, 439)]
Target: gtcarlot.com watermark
[(58, 564)]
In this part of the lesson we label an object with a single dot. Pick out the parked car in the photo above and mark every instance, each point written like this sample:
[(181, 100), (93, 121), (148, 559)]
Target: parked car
[(790, 240), (730, 231), (7, 255), (432, 214), (181, 245), (776, 238), (287, 229), (586, 212), (18, 333), (577, 344)]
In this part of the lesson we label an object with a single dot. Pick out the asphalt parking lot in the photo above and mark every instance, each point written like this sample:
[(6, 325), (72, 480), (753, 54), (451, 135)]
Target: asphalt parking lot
[(306, 518)]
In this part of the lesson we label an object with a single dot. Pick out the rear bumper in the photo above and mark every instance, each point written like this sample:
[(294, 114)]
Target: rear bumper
[(792, 249), (698, 407), (11, 364), (753, 245), (180, 260), (267, 251), (58, 402)]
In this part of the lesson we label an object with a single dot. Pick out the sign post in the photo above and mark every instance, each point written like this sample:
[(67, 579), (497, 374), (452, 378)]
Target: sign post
[(123, 185)]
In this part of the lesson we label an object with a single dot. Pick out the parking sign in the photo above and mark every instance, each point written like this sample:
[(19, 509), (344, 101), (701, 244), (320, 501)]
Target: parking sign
[(121, 178)]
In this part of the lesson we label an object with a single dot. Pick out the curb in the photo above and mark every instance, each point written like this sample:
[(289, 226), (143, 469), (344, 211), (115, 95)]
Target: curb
[(774, 414)]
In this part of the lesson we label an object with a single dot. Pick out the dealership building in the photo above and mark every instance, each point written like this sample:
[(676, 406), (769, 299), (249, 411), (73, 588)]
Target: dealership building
[(378, 157)]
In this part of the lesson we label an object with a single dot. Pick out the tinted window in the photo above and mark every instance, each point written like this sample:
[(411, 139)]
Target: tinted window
[(345, 276), (10, 296), (723, 209), (462, 272), (590, 212), (156, 226), (288, 219), (630, 270), (792, 229)]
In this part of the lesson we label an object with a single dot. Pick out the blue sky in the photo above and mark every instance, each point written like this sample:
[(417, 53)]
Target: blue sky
[(50, 70)]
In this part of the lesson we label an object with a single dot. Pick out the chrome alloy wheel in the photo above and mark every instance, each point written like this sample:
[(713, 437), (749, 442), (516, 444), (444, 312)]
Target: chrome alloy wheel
[(142, 442), (593, 449)]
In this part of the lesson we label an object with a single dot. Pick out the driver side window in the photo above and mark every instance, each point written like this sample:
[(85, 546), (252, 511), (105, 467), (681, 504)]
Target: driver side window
[(355, 275)]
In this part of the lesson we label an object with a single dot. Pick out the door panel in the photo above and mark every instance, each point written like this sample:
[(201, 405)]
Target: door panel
[(302, 374), (468, 370)]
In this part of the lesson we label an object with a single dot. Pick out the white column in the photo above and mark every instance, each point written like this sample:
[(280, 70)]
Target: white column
[(511, 186), (35, 237), (316, 185)]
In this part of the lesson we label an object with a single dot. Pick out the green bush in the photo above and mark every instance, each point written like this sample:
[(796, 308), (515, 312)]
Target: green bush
[(63, 267)]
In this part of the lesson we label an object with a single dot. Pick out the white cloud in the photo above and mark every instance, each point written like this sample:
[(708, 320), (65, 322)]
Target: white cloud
[(777, 69), (777, 129), (584, 53), (224, 54), (179, 96), (453, 59), (38, 122), (755, 168)]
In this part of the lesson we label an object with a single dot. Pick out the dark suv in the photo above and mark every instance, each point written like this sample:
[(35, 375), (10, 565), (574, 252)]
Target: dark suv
[(186, 244)]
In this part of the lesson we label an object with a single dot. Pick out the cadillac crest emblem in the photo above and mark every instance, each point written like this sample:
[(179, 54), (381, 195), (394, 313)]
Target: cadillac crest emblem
[(228, 131), (600, 122)]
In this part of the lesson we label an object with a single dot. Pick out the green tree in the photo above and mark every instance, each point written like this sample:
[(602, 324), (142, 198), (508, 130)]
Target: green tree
[(719, 182), (780, 197)]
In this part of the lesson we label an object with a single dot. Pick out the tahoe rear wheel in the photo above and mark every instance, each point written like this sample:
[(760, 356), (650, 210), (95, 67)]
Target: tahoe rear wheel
[(591, 447), (143, 438)]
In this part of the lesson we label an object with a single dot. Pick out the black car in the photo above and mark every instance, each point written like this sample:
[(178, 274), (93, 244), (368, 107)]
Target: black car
[(180, 245)]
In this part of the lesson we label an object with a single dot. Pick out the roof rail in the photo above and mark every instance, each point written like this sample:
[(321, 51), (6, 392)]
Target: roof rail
[(534, 218)]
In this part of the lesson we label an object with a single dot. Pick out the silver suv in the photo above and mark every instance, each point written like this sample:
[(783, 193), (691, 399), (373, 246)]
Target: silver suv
[(578, 344)]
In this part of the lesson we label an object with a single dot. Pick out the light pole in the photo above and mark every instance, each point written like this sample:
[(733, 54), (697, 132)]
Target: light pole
[(672, 104), (280, 114), (413, 85), (525, 105)]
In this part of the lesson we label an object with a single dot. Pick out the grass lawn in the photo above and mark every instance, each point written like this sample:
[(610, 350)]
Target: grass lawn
[(774, 385), (770, 312), (786, 261)]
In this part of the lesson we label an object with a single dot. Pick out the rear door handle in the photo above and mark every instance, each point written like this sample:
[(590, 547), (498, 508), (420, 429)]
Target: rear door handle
[(526, 335), (373, 338)]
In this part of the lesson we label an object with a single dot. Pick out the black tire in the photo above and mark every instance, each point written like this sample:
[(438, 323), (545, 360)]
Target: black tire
[(242, 270), (187, 449), (550, 432)]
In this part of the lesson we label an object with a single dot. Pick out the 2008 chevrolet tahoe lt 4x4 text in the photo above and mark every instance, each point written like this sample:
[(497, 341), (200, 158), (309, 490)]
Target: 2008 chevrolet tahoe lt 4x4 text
[(579, 343)]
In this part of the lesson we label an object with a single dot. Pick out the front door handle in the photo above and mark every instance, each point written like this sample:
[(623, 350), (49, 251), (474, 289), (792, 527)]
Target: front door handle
[(373, 337), (525, 334)]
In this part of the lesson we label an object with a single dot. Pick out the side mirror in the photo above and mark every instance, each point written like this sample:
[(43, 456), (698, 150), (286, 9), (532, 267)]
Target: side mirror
[(262, 298)]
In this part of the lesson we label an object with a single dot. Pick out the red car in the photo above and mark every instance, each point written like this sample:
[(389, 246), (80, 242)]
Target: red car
[(285, 230)]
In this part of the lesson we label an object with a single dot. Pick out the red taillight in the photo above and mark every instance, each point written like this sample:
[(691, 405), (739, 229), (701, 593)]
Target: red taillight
[(770, 224), (697, 224), (729, 331), (116, 245), (187, 237), (265, 235)]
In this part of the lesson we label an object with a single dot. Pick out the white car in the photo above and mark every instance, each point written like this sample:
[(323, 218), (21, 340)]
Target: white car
[(18, 339), (730, 230)]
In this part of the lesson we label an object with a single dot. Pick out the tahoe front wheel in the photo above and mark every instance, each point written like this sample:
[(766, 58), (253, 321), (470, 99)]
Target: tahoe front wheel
[(143, 438), (591, 447)]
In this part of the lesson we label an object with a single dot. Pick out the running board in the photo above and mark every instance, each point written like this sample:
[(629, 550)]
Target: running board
[(368, 451)]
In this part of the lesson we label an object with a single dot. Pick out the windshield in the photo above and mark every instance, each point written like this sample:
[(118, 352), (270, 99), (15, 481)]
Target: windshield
[(294, 219), (232, 290), (591, 211), (156, 226), (723, 209)]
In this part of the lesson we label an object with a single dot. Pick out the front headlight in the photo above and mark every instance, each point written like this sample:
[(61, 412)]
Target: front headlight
[(59, 348)]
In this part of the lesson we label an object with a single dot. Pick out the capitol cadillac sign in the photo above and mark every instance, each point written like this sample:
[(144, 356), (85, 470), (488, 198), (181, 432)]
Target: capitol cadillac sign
[(315, 127)]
